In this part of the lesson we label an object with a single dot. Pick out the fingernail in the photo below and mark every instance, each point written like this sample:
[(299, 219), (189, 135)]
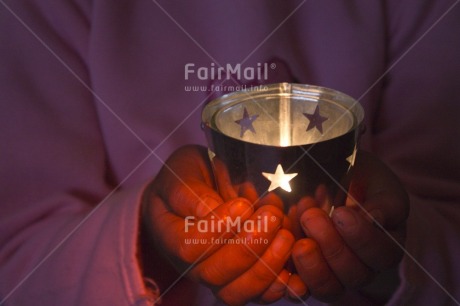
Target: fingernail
[(344, 219), (264, 216), (281, 246), (268, 222), (277, 287), (312, 224), (239, 208), (307, 257), (205, 206)]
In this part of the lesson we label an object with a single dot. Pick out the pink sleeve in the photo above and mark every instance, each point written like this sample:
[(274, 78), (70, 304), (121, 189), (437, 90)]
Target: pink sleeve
[(67, 234), (417, 132)]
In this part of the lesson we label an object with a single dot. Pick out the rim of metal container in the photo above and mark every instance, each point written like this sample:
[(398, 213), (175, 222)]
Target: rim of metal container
[(294, 90)]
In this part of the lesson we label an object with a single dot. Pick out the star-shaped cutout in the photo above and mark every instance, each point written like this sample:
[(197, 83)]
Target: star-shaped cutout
[(246, 122), (316, 120), (351, 159), (279, 179), (211, 154)]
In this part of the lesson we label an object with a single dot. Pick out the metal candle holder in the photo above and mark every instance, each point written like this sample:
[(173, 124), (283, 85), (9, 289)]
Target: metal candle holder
[(284, 144)]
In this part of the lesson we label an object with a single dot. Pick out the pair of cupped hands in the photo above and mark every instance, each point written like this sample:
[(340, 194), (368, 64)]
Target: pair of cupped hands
[(339, 252)]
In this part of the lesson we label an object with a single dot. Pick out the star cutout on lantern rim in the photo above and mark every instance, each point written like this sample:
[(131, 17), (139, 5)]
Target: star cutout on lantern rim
[(211, 154), (246, 122), (316, 120), (279, 179), (352, 158)]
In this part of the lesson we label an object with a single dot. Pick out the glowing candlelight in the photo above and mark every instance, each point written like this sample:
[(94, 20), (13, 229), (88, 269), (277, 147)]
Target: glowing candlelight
[(279, 179)]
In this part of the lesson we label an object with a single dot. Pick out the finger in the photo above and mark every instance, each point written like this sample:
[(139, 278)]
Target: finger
[(296, 211), (304, 204), (239, 254), (315, 271), (248, 191), (185, 183), (321, 197), (191, 240), (223, 180), (255, 281), (343, 262), (377, 249), (270, 199), (378, 191), (277, 289), (296, 290)]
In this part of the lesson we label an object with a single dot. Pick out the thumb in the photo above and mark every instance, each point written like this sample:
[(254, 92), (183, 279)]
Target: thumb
[(378, 192), (185, 183)]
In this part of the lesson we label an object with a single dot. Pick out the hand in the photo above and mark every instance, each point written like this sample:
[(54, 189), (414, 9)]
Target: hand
[(360, 239), (178, 205)]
